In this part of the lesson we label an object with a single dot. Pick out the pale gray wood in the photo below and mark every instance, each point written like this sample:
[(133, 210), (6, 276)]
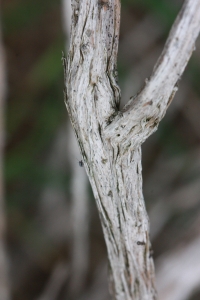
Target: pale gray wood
[(110, 140)]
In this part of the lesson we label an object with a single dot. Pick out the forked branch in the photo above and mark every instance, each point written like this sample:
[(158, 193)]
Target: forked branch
[(140, 116), (110, 140)]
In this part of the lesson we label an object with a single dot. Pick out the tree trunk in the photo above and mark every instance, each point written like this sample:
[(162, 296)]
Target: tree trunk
[(110, 140)]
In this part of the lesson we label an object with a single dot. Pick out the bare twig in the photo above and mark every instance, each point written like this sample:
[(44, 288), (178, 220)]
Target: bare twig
[(178, 272), (98, 290), (141, 116), (56, 282), (53, 207), (79, 218)]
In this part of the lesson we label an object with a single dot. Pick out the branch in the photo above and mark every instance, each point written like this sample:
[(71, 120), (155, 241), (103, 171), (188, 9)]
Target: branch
[(79, 212), (178, 272), (56, 282), (93, 52), (141, 115), (92, 98), (112, 153)]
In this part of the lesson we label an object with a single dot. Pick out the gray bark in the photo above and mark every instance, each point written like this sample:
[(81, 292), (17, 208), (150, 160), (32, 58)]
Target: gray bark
[(110, 140)]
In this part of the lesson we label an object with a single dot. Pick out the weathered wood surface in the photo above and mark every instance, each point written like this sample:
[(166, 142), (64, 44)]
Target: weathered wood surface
[(110, 140)]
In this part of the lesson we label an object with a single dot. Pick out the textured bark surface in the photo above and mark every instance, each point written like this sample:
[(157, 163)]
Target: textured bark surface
[(110, 140)]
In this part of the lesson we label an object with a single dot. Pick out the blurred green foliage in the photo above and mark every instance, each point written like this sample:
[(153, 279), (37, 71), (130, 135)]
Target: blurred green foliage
[(35, 107), (20, 14)]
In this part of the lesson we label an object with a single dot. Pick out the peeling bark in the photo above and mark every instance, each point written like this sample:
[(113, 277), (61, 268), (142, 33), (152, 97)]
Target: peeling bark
[(110, 140)]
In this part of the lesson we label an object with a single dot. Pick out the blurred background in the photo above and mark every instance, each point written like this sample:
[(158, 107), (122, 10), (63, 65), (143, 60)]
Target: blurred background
[(51, 243)]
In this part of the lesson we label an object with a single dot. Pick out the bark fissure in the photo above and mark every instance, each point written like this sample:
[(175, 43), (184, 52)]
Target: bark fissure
[(110, 140)]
